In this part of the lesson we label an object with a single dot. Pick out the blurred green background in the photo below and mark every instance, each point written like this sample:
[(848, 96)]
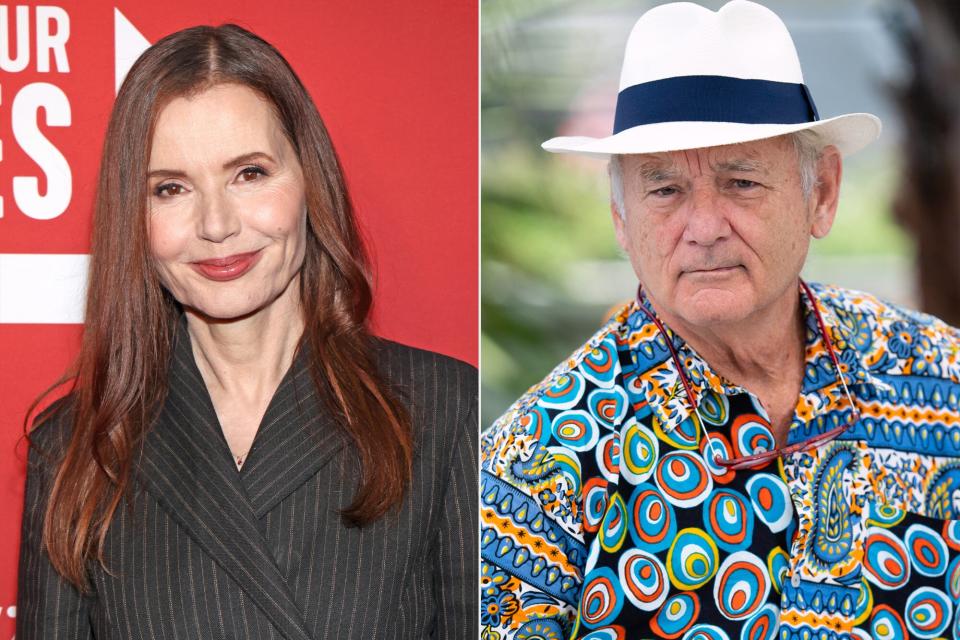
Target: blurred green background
[(550, 265)]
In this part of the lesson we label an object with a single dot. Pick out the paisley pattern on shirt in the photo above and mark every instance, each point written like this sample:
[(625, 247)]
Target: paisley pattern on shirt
[(604, 516)]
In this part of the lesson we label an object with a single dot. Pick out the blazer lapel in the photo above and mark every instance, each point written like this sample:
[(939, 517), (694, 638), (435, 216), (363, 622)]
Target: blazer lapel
[(297, 437), (187, 467)]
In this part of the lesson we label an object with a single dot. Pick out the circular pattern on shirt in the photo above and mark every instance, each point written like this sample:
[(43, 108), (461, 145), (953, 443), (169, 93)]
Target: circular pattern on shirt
[(706, 632), (634, 386), (886, 624), (771, 500), (601, 598), (763, 625), (685, 435), (599, 364), (609, 406), (728, 518), (613, 529), (540, 629), (928, 551), (953, 580), (643, 578), (639, 452), (594, 503), (951, 534), (536, 422), (928, 612), (751, 434), (885, 559), (575, 429), (565, 391), (614, 632), (608, 456), (741, 586), (719, 448), (676, 615), (567, 463), (692, 559), (778, 565), (683, 478), (885, 515), (714, 408), (653, 523), (864, 604)]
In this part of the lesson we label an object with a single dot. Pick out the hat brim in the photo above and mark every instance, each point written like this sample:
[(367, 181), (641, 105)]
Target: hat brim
[(849, 133)]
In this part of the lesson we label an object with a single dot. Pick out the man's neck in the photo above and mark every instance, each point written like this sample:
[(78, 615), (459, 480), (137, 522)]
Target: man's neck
[(763, 351)]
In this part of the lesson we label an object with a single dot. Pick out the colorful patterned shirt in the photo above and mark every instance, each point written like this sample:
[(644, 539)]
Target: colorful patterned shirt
[(602, 518)]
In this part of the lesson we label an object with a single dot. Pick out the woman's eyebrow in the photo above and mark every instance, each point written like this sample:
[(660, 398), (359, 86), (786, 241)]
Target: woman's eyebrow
[(229, 164), (248, 157)]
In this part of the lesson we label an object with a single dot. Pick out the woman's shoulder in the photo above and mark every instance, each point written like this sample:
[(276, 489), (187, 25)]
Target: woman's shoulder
[(51, 428), (407, 367), (441, 395)]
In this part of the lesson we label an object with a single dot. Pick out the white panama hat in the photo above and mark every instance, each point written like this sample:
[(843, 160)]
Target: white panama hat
[(695, 78)]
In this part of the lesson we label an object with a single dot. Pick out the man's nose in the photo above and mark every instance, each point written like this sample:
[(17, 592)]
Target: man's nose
[(707, 220), (218, 218)]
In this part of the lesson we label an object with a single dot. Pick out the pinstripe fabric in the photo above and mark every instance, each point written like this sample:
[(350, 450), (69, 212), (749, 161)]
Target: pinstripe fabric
[(209, 552)]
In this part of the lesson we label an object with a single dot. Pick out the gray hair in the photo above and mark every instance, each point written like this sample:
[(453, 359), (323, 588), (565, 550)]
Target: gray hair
[(807, 143)]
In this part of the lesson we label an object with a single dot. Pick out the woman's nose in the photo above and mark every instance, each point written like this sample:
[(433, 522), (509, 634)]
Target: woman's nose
[(218, 220)]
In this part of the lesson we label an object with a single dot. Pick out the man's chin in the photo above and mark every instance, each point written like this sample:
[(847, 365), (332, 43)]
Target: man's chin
[(710, 306)]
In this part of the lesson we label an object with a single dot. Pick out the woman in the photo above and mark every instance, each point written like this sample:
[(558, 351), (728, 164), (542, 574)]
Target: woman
[(238, 458)]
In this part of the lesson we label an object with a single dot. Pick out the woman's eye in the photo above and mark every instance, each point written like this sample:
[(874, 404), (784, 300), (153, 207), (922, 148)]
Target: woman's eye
[(168, 190), (250, 174)]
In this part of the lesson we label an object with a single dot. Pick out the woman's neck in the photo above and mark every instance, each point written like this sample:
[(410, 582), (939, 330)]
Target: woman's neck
[(246, 358)]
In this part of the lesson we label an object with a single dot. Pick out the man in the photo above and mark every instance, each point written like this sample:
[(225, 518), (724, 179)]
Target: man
[(736, 454)]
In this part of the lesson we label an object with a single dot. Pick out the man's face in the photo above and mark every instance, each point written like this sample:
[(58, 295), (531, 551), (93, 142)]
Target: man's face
[(720, 233)]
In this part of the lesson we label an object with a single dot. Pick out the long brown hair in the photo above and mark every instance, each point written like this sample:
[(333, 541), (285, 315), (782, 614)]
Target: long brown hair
[(119, 379)]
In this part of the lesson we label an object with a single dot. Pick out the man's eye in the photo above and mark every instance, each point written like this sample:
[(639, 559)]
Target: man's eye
[(744, 184), (167, 190), (664, 192)]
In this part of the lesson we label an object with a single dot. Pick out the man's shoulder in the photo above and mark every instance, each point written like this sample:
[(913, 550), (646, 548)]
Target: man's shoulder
[(894, 338), (593, 365)]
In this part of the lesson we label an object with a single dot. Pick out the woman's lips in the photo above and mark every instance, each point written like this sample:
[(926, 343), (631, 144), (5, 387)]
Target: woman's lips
[(229, 268)]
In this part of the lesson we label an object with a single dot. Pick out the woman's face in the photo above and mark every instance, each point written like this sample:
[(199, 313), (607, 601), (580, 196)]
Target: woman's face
[(227, 203)]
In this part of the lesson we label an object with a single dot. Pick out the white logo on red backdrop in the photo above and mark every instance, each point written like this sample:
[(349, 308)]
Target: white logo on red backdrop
[(42, 288), (37, 288)]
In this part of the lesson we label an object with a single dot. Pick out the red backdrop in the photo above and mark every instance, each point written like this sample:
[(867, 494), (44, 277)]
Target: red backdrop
[(396, 83)]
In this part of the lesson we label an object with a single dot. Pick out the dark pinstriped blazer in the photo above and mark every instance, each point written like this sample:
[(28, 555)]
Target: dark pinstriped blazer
[(210, 552)]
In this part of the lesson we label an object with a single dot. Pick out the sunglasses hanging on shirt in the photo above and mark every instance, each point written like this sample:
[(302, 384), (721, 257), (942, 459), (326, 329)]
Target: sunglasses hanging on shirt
[(763, 457)]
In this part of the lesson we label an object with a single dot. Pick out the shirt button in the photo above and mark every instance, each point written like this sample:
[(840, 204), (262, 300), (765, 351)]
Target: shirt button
[(795, 579)]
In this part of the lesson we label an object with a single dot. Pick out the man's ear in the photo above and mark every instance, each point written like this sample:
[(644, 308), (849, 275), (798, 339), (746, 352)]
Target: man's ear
[(826, 192), (619, 225)]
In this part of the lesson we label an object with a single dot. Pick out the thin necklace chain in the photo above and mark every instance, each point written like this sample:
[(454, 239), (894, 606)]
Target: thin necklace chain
[(240, 459)]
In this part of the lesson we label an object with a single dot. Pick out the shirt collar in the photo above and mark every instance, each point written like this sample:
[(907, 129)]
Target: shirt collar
[(664, 391)]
